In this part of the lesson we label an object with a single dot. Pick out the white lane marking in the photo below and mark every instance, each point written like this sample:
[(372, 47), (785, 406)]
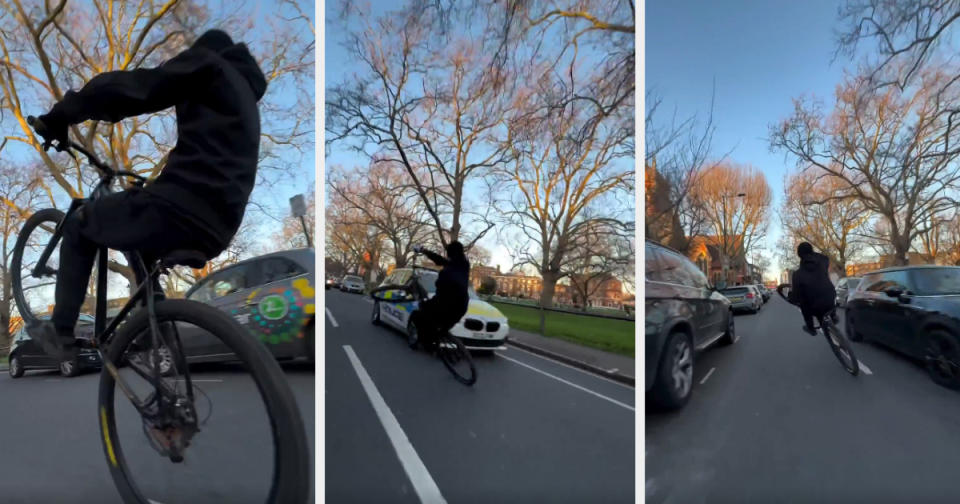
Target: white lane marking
[(588, 373), (330, 316), (574, 385), (613, 370), (736, 339), (422, 482), (367, 300), (864, 367), (707, 375)]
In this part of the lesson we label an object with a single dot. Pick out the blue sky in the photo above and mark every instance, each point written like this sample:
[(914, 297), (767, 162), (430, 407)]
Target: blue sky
[(762, 54)]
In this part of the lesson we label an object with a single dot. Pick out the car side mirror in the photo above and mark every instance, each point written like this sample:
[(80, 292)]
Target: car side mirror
[(893, 292)]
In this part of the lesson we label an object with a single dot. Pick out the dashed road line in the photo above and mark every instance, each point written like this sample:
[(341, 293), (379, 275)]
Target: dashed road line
[(864, 367), (707, 375), (330, 316)]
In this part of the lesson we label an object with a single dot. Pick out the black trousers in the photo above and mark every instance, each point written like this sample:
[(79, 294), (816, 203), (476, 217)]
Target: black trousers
[(434, 317), (128, 221), (808, 315)]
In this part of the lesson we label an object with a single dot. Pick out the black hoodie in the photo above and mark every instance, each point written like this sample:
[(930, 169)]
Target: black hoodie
[(811, 287), (452, 284), (211, 171)]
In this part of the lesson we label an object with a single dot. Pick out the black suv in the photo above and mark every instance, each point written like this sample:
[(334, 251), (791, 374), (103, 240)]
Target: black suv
[(26, 353), (684, 315)]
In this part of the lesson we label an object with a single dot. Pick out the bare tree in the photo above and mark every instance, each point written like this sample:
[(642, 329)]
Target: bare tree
[(432, 109), (889, 148), (292, 233), (19, 189), (47, 48), (833, 226), (603, 253), (736, 203)]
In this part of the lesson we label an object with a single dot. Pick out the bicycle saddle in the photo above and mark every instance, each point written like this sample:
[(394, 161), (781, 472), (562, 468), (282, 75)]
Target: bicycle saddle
[(192, 258)]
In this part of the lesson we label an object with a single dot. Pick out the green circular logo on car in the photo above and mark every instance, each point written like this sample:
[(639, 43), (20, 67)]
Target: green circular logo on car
[(273, 307)]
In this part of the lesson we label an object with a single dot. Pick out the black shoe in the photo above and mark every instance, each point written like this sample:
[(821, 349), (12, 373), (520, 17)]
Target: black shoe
[(62, 346), (809, 331)]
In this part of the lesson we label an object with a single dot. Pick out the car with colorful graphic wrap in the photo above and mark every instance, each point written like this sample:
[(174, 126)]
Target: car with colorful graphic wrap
[(271, 295), (483, 327)]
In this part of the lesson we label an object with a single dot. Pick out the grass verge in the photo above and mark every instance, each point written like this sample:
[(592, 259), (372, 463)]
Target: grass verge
[(615, 336)]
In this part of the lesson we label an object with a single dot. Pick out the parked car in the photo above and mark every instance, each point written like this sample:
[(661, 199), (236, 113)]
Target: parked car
[(352, 283), (914, 310), (744, 298), (26, 354), (482, 328), (684, 315), (331, 283), (271, 295), (764, 293), (845, 286)]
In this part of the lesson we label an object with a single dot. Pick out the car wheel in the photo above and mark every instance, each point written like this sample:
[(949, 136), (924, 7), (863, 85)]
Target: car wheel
[(730, 336), (69, 368), (942, 357), (16, 368), (375, 316), (412, 336), (309, 335), (674, 381), (851, 331)]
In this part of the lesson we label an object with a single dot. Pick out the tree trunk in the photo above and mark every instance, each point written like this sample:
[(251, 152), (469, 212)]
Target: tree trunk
[(901, 248), (549, 287)]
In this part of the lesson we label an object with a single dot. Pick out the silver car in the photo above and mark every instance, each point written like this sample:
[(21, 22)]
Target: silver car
[(846, 286), (744, 298), (352, 283)]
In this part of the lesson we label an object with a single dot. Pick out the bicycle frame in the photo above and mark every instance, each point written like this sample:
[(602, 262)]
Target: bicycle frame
[(148, 289)]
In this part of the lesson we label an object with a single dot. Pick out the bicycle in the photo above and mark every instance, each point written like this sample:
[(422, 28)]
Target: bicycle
[(143, 340), (451, 351), (838, 342)]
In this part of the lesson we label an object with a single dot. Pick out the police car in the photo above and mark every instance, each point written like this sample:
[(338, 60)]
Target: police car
[(482, 328)]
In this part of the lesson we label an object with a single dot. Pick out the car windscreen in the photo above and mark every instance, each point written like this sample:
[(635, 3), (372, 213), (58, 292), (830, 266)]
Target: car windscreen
[(428, 280), (352, 279), (738, 290), (852, 283), (936, 281)]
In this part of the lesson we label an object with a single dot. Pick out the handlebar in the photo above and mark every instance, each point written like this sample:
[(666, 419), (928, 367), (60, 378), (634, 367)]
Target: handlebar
[(70, 146)]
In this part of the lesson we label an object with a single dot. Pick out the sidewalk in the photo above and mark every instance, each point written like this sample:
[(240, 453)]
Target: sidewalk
[(610, 365)]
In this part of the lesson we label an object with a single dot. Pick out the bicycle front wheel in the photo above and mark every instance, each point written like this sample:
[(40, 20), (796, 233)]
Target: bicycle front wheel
[(841, 348), (34, 295), (456, 358), (234, 435)]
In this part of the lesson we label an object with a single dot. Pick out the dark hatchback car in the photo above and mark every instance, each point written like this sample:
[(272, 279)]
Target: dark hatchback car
[(26, 354), (914, 310), (684, 315)]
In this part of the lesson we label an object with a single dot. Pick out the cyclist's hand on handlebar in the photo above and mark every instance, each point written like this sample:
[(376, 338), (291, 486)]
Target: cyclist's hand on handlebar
[(51, 126)]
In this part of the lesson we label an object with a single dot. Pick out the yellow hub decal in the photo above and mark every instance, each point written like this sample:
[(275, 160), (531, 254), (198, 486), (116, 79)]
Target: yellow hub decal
[(106, 436)]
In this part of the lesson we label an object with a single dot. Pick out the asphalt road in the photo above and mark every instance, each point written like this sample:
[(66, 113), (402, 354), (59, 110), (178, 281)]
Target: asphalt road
[(51, 449), (777, 419), (400, 429)]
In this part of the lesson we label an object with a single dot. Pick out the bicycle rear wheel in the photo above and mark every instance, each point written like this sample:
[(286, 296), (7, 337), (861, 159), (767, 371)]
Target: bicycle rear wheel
[(841, 348), (34, 295), (456, 358), (251, 448)]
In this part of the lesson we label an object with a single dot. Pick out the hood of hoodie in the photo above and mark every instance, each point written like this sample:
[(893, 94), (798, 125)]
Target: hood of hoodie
[(240, 58)]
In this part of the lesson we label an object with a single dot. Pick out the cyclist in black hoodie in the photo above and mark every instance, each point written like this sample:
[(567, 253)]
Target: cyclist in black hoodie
[(811, 287), (451, 299), (198, 200)]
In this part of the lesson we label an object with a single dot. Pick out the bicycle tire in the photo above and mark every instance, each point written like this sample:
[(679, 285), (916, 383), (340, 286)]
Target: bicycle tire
[(840, 345), (291, 478), (51, 215), (453, 352)]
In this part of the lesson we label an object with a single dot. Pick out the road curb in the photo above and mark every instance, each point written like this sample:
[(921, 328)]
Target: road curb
[(624, 379)]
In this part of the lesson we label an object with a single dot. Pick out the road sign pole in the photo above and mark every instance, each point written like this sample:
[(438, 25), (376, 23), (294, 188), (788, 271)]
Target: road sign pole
[(305, 233)]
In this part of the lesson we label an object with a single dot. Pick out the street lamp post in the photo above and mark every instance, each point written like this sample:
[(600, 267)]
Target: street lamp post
[(724, 260)]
